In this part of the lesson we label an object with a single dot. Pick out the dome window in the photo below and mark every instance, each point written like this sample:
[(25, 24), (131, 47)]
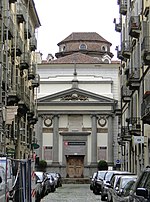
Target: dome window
[(83, 46), (104, 48)]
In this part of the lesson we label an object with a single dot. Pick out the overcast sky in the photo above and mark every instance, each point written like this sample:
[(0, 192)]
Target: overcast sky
[(59, 18)]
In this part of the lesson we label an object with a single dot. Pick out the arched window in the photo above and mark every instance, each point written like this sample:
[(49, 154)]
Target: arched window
[(83, 46)]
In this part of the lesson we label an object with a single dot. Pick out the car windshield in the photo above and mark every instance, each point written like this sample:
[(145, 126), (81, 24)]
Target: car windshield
[(101, 174), (128, 187), (108, 176), (125, 181)]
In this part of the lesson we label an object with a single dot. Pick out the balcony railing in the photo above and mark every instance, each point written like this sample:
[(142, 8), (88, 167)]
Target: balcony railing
[(17, 46), (28, 30), (32, 71), (14, 94), (36, 81), (20, 12), (126, 94), (33, 43), (134, 26), (146, 8), (145, 110), (12, 1), (25, 60), (123, 7), (125, 135), (134, 125), (145, 49), (126, 49), (118, 25), (133, 79)]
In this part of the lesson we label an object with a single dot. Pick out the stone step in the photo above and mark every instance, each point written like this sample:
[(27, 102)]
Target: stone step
[(75, 180)]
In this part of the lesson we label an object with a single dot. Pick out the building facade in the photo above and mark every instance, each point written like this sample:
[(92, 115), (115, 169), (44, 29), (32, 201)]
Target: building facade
[(134, 53), (77, 100), (18, 78)]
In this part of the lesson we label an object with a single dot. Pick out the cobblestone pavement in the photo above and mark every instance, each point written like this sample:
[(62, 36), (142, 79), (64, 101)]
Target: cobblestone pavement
[(72, 193)]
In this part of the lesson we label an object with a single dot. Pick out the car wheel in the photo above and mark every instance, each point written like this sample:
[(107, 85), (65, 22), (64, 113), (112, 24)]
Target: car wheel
[(103, 198)]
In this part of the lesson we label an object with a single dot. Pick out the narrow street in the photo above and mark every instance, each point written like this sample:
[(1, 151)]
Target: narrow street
[(72, 193)]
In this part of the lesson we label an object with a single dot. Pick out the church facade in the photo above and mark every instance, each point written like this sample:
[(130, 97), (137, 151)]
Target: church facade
[(77, 104)]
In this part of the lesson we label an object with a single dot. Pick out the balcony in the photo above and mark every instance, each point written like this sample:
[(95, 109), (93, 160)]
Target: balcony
[(133, 79), (32, 72), (134, 126), (126, 94), (28, 30), (126, 48), (145, 49), (123, 7), (125, 135), (146, 7), (35, 82), (12, 1), (20, 12), (25, 97), (118, 25), (134, 26), (25, 61), (14, 95), (17, 46), (145, 109), (33, 43)]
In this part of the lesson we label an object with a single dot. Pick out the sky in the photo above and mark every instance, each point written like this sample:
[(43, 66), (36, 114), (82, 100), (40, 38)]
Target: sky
[(59, 18)]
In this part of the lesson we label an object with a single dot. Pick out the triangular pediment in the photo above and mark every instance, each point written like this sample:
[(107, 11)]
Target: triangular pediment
[(76, 95)]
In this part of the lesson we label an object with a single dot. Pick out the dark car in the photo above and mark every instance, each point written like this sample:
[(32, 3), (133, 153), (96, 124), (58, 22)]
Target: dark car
[(106, 182), (52, 182), (97, 182), (123, 196), (59, 182), (44, 180), (141, 190), (120, 185), (92, 180)]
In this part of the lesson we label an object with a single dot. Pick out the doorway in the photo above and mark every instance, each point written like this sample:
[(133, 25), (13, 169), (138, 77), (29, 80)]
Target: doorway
[(75, 166)]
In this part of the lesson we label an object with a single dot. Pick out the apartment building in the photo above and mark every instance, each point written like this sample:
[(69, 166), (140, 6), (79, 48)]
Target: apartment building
[(134, 53), (18, 78)]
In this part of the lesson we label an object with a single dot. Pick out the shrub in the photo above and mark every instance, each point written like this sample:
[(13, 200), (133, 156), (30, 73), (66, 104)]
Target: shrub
[(102, 165), (42, 164)]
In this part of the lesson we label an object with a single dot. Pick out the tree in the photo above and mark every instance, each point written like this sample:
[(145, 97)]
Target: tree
[(102, 165)]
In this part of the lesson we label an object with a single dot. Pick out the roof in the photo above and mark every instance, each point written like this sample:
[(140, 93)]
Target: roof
[(84, 36), (78, 58)]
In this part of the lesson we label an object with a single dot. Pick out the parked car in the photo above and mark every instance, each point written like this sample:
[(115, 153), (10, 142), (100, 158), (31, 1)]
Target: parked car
[(59, 182), (44, 180), (38, 188), (97, 182), (106, 182), (141, 189), (124, 195), (92, 180), (117, 182), (55, 178), (52, 182), (119, 186)]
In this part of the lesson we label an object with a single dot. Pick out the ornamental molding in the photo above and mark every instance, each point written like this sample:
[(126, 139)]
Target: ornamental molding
[(75, 96)]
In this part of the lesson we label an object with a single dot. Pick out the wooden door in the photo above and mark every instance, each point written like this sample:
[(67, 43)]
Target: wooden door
[(75, 165)]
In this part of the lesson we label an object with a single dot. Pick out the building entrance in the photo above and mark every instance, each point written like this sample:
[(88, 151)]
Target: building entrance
[(75, 166)]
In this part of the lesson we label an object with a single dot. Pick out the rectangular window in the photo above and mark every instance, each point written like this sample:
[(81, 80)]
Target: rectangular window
[(102, 151), (48, 153)]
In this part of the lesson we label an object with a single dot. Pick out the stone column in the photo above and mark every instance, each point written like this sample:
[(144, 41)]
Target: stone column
[(55, 139), (94, 140), (110, 140), (39, 132)]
